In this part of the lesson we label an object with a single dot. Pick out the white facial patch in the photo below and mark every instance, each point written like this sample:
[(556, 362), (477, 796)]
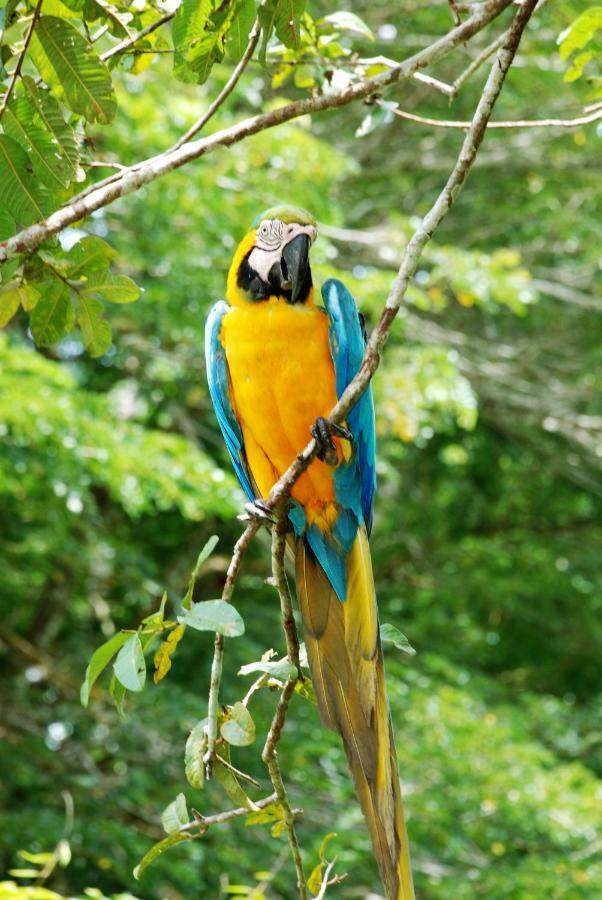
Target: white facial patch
[(271, 237)]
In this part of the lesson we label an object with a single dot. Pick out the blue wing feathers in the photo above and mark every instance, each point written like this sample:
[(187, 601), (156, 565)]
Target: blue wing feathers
[(217, 377), (356, 483)]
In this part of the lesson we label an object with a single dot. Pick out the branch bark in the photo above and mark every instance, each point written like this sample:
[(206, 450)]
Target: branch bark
[(270, 754), (17, 70), (149, 170)]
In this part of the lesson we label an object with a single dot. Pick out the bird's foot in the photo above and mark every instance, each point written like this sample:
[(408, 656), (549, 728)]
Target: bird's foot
[(258, 511), (323, 432)]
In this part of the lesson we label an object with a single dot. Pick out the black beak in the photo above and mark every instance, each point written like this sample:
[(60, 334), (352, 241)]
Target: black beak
[(294, 265)]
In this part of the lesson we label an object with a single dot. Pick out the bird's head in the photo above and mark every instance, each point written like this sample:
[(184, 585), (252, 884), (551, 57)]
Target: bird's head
[(272, 260)]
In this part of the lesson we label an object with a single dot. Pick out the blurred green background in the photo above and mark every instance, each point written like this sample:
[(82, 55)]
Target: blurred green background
[(487, 533)]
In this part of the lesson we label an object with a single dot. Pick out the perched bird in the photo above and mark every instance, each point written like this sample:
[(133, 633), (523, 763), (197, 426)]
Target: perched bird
[(276, 363)]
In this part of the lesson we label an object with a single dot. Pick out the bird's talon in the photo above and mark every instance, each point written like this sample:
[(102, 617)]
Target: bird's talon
[(323, 431), (259, 511)]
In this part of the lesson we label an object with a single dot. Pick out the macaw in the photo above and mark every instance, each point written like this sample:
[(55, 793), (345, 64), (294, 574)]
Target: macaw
[(276, 364)]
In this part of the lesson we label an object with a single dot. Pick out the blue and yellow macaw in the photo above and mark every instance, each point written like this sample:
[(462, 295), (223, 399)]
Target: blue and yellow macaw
[(276, 364)]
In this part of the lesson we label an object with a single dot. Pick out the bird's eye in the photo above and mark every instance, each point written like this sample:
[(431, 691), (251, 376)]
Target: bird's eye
[(265, 228)]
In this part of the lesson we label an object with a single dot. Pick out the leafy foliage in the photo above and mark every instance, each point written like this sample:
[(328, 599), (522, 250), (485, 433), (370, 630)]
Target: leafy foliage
[(112, 474)]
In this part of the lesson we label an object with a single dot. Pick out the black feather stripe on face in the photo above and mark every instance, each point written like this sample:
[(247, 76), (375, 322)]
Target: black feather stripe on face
[(258, 290), (249, 281)]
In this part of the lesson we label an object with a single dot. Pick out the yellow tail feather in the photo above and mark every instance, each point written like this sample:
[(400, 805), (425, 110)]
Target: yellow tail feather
[(345, 658)]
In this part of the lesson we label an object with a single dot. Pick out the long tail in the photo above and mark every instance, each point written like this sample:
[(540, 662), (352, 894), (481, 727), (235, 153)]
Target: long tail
[(345, 658)]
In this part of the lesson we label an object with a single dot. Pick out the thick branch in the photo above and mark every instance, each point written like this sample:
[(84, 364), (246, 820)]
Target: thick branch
[(135, 177), (17, 70)]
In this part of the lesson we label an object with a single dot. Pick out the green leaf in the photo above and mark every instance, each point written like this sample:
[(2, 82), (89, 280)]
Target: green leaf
[(189, 22), (228, 780), (20, 123), (285, 17), (117, 692), (239, 728), (196, 745), (314, 882), (281, 668), (270, 815), (96, 331), (159, 848), (214, 615), (392, 635), (238, 35), (130, 667), (200, 38), (88, 255), (343, 20), (165, 651), (175, 815), (28, 296), (205, 553), (114, 288), (21, 194), (7, 225), (50, 115), (9, 303), (70, 67), (99, 660), (53, 316), (580, 32)]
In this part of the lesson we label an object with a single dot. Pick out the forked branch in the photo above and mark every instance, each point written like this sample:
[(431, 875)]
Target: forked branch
[(278, 498)]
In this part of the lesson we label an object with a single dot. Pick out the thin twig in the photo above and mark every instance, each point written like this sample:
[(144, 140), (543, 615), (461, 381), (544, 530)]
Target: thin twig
[(518, 123), (149, 170), (242, 775), (454, 12), (21, 58), (218, 645), (483, 56), (227, 89), (205, 822), (270, 755), (124, 45), (435, 83), (327, 881)]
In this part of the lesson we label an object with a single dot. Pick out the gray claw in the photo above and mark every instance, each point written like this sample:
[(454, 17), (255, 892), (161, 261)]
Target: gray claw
[(259, 511), (322, 431)]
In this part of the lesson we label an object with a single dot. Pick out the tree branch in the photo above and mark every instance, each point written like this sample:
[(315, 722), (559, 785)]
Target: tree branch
[(205, 822), (218, 646), (228, 87), (270, 755), (587, 119), (149, 170), (128, 42), (483, 56), (20, 60)]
